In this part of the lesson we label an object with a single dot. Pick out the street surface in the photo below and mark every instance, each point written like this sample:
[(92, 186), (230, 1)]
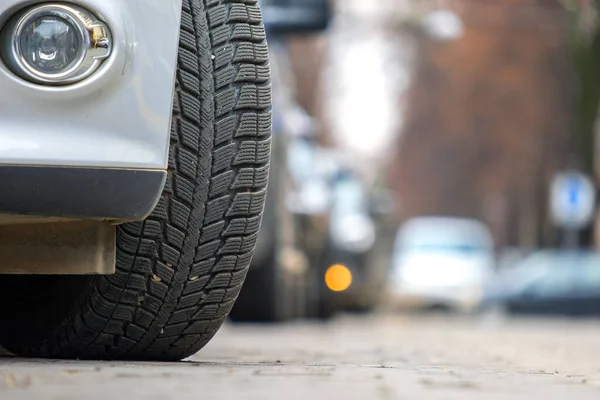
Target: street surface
[(374, 357)]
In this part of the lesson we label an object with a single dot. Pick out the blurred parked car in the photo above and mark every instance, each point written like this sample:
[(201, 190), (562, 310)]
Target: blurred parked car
[(549, 282), (344, 278), (311, 168), (314, 251), (441, 262), (284, 17), (273, 287), (508, 257), (277, 285)]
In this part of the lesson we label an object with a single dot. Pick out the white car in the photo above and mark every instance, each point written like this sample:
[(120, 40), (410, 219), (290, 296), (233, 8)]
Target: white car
[(135, 142), (441, 262)]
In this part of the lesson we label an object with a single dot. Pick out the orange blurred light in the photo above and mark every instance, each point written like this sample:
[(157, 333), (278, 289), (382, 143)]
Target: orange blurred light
[(338, 278)]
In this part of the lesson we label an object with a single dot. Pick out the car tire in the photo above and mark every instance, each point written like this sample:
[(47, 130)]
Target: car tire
[(322, 302), (271, 291), (179, 272), (265, 297)]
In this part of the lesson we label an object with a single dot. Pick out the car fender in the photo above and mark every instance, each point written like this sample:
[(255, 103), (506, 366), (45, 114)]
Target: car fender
[(117, 118)]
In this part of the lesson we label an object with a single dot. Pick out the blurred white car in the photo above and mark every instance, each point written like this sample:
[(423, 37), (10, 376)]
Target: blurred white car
[(441, 262)]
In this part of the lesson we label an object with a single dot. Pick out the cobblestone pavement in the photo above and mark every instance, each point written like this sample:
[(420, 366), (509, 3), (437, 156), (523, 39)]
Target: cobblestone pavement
[(376, 357)]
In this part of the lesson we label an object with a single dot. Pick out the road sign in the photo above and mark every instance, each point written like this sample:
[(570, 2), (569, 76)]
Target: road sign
[(572, 200)]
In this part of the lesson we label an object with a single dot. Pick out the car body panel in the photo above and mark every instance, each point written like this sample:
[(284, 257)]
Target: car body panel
[(117, 118)]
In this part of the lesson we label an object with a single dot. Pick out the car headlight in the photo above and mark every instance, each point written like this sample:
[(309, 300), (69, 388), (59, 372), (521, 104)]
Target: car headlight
[(354, 233), (55, 44)]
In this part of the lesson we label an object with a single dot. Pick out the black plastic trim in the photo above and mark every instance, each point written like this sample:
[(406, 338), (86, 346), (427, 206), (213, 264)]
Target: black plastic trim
[(85, 193)]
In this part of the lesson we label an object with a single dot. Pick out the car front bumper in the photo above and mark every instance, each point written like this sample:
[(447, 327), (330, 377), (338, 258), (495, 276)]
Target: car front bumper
[(96, 149), (79, 193), (463, 298)]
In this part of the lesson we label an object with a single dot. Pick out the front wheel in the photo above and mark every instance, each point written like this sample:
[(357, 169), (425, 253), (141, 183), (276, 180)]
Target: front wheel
[(180, 271)]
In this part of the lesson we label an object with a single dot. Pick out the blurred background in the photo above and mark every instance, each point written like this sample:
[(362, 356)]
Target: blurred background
[(430, 155)]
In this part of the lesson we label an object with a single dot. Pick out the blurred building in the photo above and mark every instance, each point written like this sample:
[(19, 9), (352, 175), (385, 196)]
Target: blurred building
[(469, 112), (488, 117), (349, 80)]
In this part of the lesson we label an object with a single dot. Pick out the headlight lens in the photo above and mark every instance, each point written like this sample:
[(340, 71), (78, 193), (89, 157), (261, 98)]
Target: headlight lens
[(55, 44), (50, 44)]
